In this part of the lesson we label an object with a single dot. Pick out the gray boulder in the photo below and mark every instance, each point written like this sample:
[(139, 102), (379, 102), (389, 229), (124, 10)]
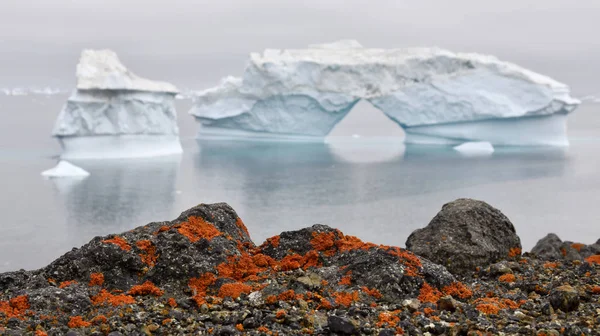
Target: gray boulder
[(464, 235), (552, 247)]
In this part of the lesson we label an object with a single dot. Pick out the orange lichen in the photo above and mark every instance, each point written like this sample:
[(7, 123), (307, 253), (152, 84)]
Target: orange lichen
[(280, 314), (322, 241), (199, 286), (78, 322), (263, 329), (14, 307), (596, 289), (287, 295), (408, 259), (550, 264), (99, 319), (147, 288), (458, 289), (492, 305), (509, 278), (346, 280), (577, 246), (239, 327), (271, 299), (344, 298), (197, 228), (104, 297), (429, 294), (515, 251), (162, 229), (488, 308), (310, 259), (563, 251), (274, 241), (234, 290), (96, 279), (240, 224), (388, 319), (428, 311), (149, 256), (166, 321), (40, 333), (595, 259), (372, 292), (119, 241), (171, 302), (68, 283)]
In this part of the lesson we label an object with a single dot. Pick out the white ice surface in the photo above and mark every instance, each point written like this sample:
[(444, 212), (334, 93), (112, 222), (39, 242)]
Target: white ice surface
[(65, 169), (102, 70), (119, 147), (308, 91), (481, 147)]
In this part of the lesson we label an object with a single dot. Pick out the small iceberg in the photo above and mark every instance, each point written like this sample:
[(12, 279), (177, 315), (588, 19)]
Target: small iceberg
[(65, 169), (475, 148)]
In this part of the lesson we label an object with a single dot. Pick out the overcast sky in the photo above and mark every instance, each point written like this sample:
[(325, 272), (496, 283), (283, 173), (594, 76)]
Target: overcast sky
[(196, 42)]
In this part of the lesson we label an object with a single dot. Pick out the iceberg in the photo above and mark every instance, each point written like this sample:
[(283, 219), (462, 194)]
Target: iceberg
[(435, 95), (475, 148), (65, 169), (114, 113)]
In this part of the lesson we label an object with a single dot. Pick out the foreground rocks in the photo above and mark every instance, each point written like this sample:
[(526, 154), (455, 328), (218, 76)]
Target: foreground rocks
[(464, 235), (202, 274)]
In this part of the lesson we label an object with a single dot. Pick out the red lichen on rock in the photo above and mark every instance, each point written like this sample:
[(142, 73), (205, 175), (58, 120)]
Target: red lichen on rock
[(234, 290), (388, 319), (271, 299), (577, 246), (322, 241), (96, 279), (344, 298), (119, 241), (171, 302), (199, 286), (162, 229), (274, 241), (595, 259), (14, 307), (280, 314), (239, 327), (245, 267), (68, 283), (509, 278), (147, 288), (287, 295), (310, 259), (492, 305), (78, 322), (596, 289), (346, 280), (515, 251), (197, 228), (99, 319), (240, 224), (458, 289), (104, 297), (550, 264), (408, 259), (428, 311), (40, 333), (429, 294), (372, 292), (149, 256)]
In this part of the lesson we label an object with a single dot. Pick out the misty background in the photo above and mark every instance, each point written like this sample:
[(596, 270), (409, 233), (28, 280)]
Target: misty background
[(194, 43)]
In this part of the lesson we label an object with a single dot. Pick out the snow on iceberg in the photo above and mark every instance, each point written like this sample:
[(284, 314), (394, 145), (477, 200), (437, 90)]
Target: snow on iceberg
[(436, 96), (65, 169), (475, 148), (114, 113)]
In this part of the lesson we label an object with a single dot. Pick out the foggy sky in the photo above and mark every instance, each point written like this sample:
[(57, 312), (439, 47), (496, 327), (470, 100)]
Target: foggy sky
[(196, 42)]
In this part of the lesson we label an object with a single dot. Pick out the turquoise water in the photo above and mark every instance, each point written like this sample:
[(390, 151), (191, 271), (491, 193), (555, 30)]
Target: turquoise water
[(372, 187)]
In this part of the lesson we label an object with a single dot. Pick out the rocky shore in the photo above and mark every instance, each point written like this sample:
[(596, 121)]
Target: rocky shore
[(201, 274)]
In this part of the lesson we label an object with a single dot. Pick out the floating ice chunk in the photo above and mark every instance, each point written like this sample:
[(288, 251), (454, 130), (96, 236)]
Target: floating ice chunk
[(65, 169), (475, 148), (306, 92)]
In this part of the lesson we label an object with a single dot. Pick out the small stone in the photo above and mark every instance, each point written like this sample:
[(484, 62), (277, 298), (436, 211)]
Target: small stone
[(72, 333), (344, 325), (448, 303), (564, 298), (547, 309), (311, 281), (412, 304), (500, 269)]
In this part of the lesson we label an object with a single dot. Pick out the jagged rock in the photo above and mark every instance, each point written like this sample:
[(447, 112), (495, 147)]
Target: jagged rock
[(464, 235), (342, 325), (552, 247), (564, 298)]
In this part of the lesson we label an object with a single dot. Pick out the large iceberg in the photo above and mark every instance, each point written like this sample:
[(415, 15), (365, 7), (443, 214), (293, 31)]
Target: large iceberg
[(436, 96), (114, 113)]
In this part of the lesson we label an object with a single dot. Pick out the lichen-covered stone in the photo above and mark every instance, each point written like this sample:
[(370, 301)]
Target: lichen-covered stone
[(464, 235), (551, 247)]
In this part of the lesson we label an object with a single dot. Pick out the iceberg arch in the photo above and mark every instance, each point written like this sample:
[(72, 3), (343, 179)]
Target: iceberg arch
[(436, 96)]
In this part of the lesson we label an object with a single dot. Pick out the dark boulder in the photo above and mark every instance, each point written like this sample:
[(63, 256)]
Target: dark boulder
[(552, 247), (464, 235)]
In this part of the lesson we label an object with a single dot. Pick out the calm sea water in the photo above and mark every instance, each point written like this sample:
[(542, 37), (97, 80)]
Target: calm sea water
[(372, 187)]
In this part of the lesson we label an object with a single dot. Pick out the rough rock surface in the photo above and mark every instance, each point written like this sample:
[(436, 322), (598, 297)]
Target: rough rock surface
[(464, 235), (552, 247), (201, 274)]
